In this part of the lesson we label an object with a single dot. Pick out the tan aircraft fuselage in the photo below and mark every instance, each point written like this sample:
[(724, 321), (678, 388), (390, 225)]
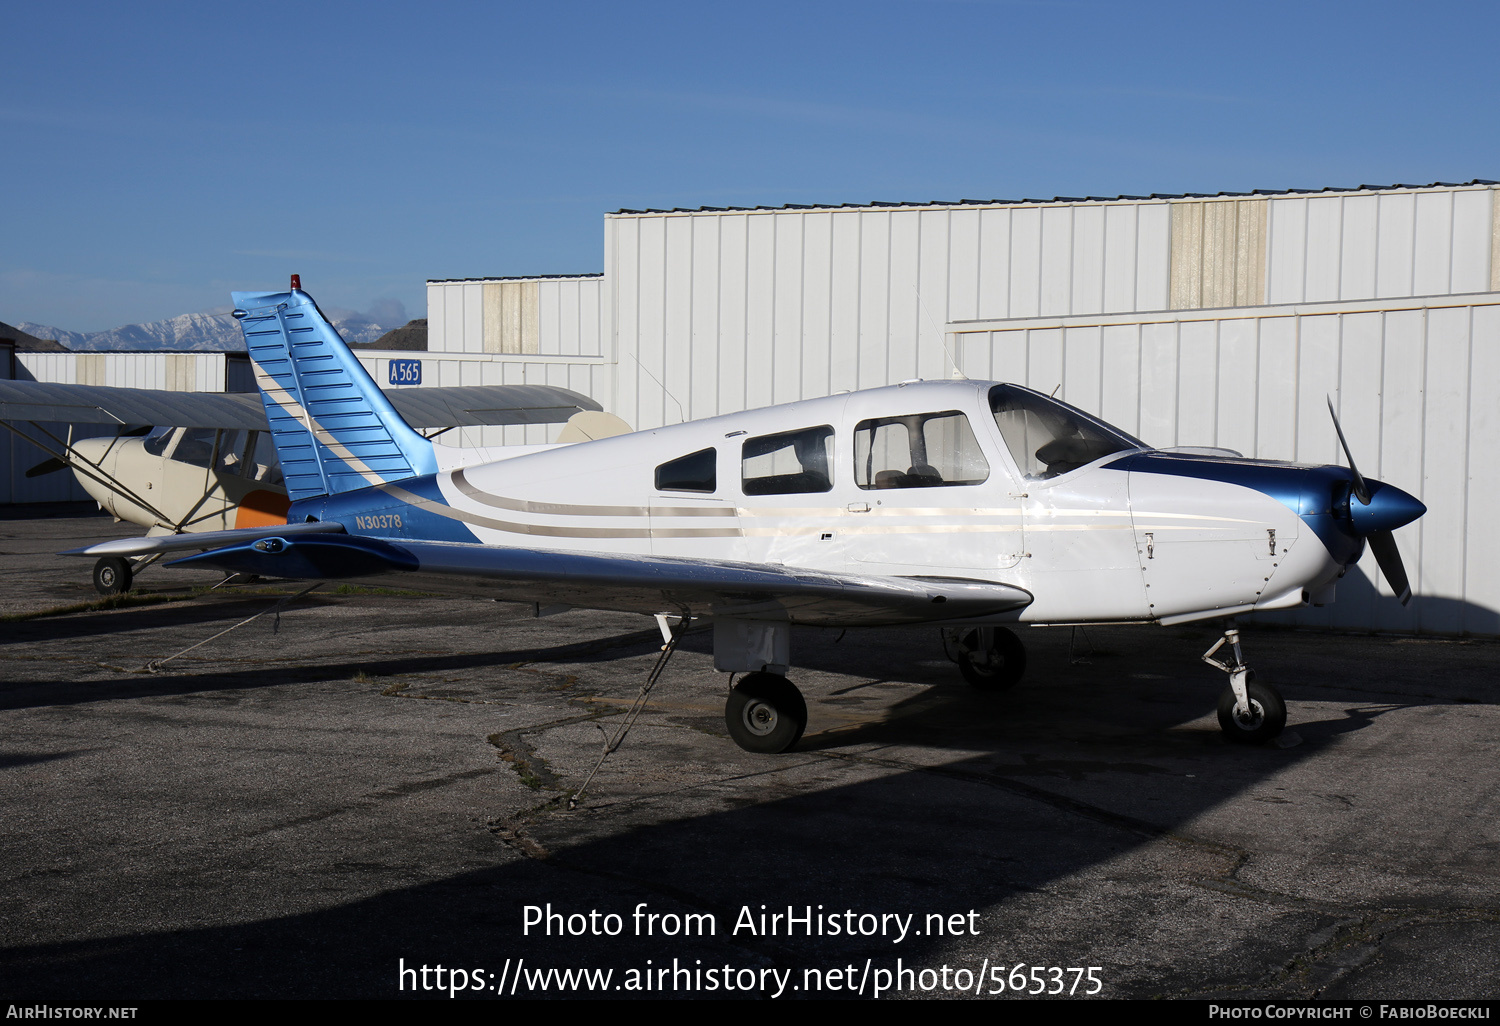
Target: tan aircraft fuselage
[(184, 480)]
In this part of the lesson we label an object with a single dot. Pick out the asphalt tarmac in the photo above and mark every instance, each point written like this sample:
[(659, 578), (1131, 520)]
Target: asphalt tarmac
[(329, 800)]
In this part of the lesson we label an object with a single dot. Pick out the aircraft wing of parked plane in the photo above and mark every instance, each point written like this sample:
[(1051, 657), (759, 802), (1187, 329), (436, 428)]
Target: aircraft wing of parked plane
[(964, 505), (422, 408)]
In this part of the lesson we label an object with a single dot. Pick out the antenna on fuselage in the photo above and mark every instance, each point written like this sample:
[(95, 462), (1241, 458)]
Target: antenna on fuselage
[(681, 413), (957, 370)]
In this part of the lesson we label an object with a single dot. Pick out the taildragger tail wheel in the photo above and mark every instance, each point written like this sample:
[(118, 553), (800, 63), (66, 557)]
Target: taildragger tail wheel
[(765, 713), (991, 658), (112, 576), (1265, 719)]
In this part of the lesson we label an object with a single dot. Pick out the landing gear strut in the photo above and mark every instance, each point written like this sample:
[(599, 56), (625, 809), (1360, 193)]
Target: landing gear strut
[(1249, 712), (765, 713), (991, 658)]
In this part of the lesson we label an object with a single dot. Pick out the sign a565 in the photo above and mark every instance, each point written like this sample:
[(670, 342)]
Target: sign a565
[(406, 372)]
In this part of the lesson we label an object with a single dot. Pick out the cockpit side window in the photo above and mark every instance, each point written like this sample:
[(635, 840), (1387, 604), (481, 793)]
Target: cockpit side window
[(920, 450), (231, 455), (195, 447), (695, 472), (1047, 437), (264, 464), (157, 441), (788, 463)]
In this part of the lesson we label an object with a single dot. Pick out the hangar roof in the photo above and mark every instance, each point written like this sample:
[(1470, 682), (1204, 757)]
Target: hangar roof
[(1059, 199), (518, 277)]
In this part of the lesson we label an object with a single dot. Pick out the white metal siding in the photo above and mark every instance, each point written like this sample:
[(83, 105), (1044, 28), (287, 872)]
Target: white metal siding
[(569, 316), (1417, 385), (782, 305), (1354, 246)]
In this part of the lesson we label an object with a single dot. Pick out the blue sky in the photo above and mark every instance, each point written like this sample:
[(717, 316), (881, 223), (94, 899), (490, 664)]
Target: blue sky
[(160, 155)]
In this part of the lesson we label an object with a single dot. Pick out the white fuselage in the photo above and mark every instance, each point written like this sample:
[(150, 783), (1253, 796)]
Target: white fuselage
[(849, 491)]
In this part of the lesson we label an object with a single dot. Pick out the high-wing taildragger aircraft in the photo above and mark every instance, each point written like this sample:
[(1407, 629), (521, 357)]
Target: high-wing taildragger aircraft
[(209, 462), (966, 505)]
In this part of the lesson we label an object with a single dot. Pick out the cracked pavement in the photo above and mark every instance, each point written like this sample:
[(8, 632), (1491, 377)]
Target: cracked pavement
[(289, 810)]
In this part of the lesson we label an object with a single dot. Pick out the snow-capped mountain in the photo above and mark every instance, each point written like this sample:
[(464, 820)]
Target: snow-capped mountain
[(196, 332)]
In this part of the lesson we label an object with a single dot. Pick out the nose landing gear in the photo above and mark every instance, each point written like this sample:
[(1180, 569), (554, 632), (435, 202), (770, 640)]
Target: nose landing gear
[(1249, 712)]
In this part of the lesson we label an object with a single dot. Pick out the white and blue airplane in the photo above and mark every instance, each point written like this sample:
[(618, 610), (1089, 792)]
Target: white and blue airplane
[(965, 505)]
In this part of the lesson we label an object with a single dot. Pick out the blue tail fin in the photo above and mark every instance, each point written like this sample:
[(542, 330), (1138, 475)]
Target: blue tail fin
[(334, 429)]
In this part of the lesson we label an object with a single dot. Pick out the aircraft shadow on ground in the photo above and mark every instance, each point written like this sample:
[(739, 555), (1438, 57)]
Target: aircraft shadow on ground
[(973, 832)]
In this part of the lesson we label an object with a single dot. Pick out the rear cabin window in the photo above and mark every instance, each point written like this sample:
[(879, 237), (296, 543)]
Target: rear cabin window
[(921, 450), (695, 472), (788, 463)]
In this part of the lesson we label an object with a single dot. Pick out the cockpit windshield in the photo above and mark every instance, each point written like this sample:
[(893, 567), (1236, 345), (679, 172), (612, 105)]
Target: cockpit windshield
[(1047, 437)]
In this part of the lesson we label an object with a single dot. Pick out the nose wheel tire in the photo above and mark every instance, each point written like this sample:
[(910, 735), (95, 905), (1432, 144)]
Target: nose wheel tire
[(1265, 719), (995, 668), (765, 713), (112, 576)]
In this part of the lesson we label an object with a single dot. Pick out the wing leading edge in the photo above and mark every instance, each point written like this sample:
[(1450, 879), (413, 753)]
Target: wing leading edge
[(628, 583)]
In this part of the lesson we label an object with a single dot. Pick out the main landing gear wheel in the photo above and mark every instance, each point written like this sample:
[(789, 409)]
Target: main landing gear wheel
[(1263, 720), (993, 663), (112, 576), (765, 713)]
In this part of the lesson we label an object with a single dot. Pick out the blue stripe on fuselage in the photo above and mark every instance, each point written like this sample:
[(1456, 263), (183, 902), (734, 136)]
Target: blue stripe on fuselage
[(375, 512), (1315, 493)]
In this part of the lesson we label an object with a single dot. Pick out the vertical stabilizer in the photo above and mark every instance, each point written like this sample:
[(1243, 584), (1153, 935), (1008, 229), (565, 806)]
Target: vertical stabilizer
[(334, 429)]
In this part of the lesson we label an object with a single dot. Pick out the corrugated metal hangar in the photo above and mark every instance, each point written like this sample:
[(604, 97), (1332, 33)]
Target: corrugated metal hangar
[(1186, 320)]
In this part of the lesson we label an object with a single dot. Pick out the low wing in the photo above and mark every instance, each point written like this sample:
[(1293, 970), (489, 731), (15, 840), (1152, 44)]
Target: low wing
[(596, 580), (464, 406)]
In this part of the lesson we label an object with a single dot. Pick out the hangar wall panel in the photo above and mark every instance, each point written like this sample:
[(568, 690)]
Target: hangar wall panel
[(1218, 253), (1388, 244), (720, 311), (1417, 386), (544, 316)]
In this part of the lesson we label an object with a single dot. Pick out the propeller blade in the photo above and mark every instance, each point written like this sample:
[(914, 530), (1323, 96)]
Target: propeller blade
[(1383, 544), (1361, 490), (46, 467)]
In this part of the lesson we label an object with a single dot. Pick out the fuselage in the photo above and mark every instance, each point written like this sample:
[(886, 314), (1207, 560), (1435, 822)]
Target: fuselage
[(960, 479), (185, 480)]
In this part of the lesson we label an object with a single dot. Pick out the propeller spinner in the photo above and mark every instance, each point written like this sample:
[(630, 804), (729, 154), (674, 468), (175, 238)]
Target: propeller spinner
[(1381, 509)]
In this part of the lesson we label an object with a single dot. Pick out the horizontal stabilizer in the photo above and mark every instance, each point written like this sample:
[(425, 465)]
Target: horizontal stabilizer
[(328, 557), (202, 540)]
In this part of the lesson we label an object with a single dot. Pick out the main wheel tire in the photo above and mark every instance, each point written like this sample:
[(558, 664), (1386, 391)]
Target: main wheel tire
[(765, 713), (1265, 719), (997, 669), (112, 576)]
